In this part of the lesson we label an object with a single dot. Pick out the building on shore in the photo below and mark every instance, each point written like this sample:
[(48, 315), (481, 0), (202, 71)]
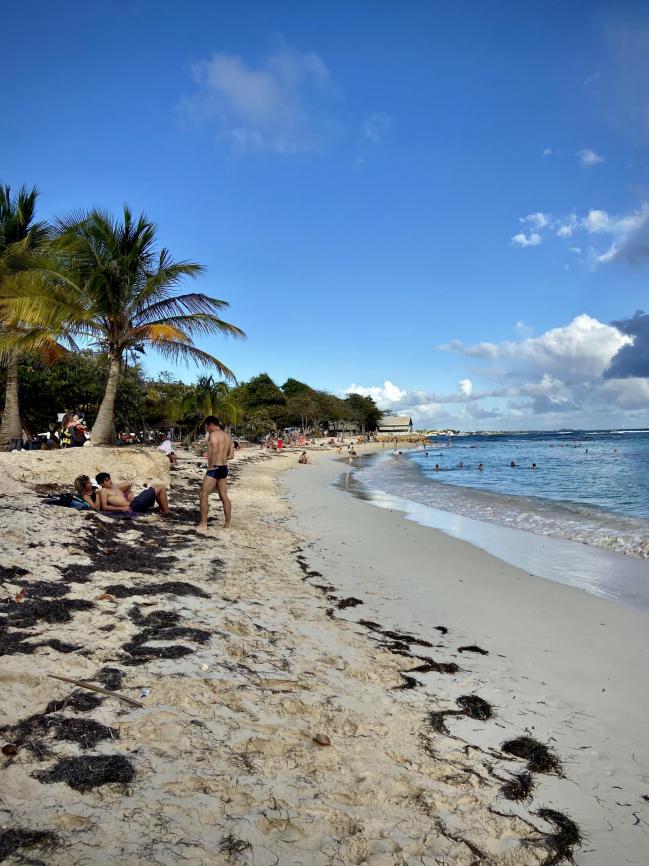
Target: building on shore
[(395, 424)]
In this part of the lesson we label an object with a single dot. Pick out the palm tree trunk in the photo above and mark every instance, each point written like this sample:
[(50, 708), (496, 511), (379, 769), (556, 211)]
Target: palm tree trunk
[(11, 426), (103, 431)]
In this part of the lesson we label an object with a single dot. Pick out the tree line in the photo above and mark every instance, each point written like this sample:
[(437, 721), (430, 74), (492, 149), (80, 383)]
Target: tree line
[(252, 409)]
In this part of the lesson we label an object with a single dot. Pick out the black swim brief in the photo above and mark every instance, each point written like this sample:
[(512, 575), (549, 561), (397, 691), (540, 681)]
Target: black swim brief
[(218, 472), (144, 501)]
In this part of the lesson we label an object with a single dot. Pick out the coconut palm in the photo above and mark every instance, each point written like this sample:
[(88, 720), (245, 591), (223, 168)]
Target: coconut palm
[(23, 242), (118, 292), (209, 397)]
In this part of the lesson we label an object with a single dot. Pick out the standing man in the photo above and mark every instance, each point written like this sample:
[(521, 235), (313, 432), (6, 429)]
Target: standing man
[(220, 449)]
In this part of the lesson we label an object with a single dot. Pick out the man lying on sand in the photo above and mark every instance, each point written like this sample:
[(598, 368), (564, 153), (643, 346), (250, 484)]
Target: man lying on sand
[(117, 496), (220, 449)]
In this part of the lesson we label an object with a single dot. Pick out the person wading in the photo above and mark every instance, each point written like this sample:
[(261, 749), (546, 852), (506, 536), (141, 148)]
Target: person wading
[(220, 449)]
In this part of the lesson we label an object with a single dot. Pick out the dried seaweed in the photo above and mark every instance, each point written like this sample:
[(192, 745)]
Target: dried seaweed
[(111, 678), (475, 707), (141, 651), (17, 642), (9, 572), (35, 731), (539, 758), (518, 787), (348, 602), (473, 648), (82, 702), (563, 841), (28, 613), (15, 839), (408, 683), (173, 587), (156, 619), (232, 846), (89, 771), (430, 665), (438, 723)]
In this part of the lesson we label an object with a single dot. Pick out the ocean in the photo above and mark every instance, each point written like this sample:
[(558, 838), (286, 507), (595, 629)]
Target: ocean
[(588, 486)]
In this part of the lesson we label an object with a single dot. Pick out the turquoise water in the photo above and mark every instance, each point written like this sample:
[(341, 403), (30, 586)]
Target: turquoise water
[(591, 487)]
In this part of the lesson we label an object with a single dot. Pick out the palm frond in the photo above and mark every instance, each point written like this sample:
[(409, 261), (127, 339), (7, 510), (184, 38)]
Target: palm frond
[(183, 352)]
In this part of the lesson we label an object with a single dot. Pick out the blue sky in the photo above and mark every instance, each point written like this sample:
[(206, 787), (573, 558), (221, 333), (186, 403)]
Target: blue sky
[(369, 182)]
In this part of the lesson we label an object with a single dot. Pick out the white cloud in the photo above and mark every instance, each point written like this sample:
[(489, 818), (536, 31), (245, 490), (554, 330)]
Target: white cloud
[(383, 395), (523, 240), (627, 235), (465, 387), (376, 126), (547, 152), (596, 221), (582, 348), (588, 158), (537, 220), (281, 106)]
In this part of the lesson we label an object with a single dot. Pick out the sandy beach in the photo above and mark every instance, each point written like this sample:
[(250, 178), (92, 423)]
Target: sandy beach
[(304, 696)]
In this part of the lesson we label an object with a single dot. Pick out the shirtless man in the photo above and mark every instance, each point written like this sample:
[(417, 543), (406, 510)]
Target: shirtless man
[(117, 496), (220, 449)]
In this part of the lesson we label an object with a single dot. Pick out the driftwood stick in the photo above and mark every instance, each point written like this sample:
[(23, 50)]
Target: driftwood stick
[(101, 691)]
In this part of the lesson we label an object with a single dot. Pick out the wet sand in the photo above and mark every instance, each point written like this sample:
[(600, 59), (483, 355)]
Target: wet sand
[(562, 666)]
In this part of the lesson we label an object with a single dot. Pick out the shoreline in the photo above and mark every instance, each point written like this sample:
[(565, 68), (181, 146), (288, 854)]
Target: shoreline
[(563, 664), (609, 574)]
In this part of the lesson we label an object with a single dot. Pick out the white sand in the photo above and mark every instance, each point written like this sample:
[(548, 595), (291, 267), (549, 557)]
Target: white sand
[(563, 665), (226, 767)]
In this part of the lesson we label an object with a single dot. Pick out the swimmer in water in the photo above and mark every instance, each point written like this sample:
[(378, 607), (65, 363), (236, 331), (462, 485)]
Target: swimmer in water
[(513, 464), (480, 467), (437, 468), (533, 465)]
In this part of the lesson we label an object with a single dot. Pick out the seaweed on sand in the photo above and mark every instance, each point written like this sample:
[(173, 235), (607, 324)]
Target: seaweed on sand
[(408, 683), (475, 707), (232, 846), (173, 587), (430, 665), (17, 642), (13, 840), (35, 731), (141, 651), (563, 841), (398, 636), (518, 787), (437, 721), (89, 771), (473, 648), (80, 701), (111, 678), (156, 619), (43, 588), (539, 758), (9, 572), (28, 613), (348, 602)]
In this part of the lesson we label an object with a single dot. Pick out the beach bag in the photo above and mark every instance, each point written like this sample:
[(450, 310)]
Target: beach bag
[(67, 500)]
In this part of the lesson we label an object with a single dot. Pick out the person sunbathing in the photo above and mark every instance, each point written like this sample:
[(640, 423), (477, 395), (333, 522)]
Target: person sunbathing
[(117, 496), (87, 491)]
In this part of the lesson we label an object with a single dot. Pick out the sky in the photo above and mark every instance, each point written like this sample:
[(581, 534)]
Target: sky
[(445, 206)]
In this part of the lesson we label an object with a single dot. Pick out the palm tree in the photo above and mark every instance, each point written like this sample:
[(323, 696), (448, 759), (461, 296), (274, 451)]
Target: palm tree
[(117, 292), (22, 240), (209, 397)]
